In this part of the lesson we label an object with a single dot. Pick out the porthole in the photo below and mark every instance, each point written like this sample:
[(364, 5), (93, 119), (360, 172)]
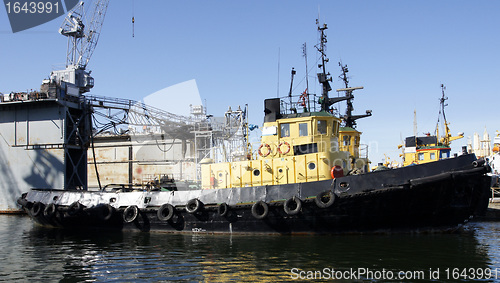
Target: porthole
[(311, 166), (256, 172), (280, 170), (344, 186), (220, 174)]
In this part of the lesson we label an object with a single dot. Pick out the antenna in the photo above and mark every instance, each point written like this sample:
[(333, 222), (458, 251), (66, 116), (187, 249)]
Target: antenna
[(291, 85), (344, 76), (415, 122), (317, 20), (279, 59), (415, 126), (304, 51)]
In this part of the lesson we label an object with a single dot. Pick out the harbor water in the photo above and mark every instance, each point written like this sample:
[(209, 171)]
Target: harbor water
[(29, 252)]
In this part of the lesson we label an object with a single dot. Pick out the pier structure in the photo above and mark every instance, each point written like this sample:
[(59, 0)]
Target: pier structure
[(85, 142), (44, 145)]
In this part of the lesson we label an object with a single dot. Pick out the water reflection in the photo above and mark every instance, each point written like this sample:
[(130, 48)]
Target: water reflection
[(56, 255)]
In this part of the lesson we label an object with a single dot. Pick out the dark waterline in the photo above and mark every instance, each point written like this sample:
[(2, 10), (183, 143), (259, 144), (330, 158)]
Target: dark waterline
[(29, 252)]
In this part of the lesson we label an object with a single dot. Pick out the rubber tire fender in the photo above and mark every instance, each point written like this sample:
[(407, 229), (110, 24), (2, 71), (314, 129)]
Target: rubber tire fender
[(130, 214), (106, 212), (194, 205), (288, 209), (74, 208), (265, 209), (50, 210), (166, 207), (223, 209), (37, 209), (319, 199)]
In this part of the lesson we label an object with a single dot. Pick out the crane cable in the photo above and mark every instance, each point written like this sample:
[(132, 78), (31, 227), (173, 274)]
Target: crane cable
[(133, 20)]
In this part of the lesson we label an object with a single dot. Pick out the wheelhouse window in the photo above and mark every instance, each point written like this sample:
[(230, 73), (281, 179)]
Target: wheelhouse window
[(284, 130), (335, 128), (322, 127), (346, 140), (303, 129), (444, 154)]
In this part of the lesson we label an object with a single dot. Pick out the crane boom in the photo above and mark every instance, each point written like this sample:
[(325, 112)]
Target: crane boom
[(82, 39), (94, 30)]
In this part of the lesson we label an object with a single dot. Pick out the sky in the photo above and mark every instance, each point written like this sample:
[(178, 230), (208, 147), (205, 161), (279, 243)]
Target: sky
[(242, 52)]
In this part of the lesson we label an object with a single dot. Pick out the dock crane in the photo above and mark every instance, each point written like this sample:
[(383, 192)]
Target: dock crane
[(83, 32)]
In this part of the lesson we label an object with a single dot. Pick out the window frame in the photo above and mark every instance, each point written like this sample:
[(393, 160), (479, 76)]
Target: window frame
[(301, 129), (285, 127)]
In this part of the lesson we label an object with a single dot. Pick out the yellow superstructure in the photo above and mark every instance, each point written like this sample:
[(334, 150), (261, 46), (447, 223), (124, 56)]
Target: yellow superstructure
[(350, 141), (419, 150), (295, 149)]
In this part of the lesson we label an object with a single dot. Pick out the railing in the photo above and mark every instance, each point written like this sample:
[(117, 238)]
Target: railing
[(495, 194), (298, 103)]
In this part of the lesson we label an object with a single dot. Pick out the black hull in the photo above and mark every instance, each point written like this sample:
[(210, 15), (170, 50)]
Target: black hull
[(418, 198)]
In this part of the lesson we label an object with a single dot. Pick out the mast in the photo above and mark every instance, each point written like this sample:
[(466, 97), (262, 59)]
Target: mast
[(349, 118), (306, 92), (441, 111), (323, 77), (415, 123), (290, 92), (446, 139)]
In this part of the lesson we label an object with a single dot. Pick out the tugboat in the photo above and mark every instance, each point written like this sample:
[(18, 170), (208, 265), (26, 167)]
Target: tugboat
[(430, 148), (303, 181)]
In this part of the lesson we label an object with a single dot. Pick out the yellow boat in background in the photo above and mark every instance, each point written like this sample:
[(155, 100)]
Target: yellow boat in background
[(430, 148)]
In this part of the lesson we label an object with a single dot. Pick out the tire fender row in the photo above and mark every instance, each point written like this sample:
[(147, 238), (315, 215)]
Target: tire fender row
[(52, 210), (166, 212), (259, 209)]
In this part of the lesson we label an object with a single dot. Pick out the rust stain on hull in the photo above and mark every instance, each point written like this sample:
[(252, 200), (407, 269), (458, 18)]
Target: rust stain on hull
[(12, 211)]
